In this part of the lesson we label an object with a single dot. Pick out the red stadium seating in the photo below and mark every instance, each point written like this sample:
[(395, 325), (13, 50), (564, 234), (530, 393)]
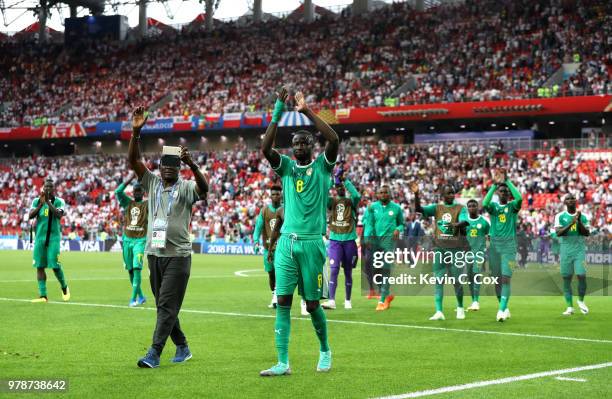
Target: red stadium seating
[(465, 52)]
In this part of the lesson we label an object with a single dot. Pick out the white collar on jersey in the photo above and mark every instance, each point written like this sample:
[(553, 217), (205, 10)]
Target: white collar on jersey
[(304, 166)]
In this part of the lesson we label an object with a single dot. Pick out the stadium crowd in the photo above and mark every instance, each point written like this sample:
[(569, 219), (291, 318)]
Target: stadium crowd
[(476, 50), (239, 180)]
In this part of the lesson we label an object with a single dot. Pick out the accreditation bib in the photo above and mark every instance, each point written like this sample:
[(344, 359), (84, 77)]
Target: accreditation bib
[(158, 236)]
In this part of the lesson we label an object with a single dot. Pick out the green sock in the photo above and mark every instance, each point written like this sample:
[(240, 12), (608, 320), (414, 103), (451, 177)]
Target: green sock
[(383, 296), (438, 296), (475, 291), (42, 287), (459, 296), (135, 284), (505, 296), (567, 290), (384, 292), (582, 286), (319, 321), (59, 274), (282, 329)]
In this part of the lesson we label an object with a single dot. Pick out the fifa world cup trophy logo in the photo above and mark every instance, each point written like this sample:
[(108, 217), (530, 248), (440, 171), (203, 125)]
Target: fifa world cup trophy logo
[(134, 213), (272, 224), (444, 224), (340, 212)]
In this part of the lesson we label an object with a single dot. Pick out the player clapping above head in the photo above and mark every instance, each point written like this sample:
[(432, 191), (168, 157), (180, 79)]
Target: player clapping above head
[(134, 236), (342, 236), (502, 254), (300, 254)]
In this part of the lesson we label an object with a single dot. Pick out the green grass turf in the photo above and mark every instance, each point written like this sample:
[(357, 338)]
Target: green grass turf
[(96, 348)]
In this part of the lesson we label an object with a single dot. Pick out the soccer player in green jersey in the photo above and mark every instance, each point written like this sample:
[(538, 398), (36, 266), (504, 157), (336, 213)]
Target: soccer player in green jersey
[(450, 220), (502, 254), (571, 227), (477, 232), (383, 223), (264, 225), (48, 210), (134, 236), (300, 253)]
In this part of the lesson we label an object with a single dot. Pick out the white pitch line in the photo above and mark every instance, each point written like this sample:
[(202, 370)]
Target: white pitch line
[(354, 322), (124, 278), (507, 380), (570, 379)]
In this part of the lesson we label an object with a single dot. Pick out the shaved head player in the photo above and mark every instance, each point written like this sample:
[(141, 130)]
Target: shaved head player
[(300, 253)]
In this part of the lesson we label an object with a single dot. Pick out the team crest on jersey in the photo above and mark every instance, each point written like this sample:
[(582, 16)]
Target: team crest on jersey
[(506, 210), (478, 226), (390, 213), (309, 171)]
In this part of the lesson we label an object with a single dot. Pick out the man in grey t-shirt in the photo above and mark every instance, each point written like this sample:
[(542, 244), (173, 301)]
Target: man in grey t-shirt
[(168, 247)]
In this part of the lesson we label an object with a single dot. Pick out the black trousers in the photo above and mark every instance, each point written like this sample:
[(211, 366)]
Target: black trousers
[(169, 277)]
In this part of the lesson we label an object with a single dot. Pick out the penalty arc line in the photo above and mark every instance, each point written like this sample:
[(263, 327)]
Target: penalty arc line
[(336, 321), (507, 380), (243, 273)]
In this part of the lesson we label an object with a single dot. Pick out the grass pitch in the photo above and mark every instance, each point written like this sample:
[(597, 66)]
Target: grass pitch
[(95, 339)]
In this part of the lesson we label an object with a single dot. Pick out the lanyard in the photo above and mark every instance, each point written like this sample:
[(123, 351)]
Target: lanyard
[(158, 199)]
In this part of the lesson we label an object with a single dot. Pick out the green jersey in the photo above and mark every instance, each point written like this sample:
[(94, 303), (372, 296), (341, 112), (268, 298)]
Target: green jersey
[(572, 241), (477, 231), (305, 189), (47, 223), (503, 223), (382, 220), (503, 217)]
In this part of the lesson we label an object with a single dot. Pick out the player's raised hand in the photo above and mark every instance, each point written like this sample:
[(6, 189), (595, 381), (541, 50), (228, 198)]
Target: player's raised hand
[(300, 102), (414, 187), (139, 118), (499, 176), (43, 197), (186, 156), (283, 94)]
